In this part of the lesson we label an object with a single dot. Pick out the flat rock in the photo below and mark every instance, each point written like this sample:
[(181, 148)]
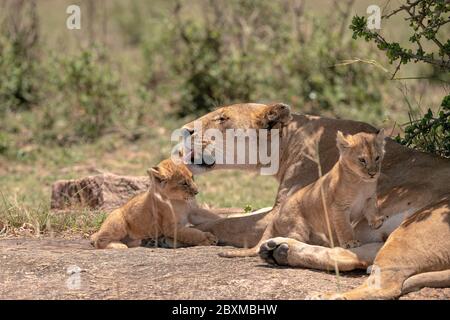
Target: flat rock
[(70, 269), (104, 191)]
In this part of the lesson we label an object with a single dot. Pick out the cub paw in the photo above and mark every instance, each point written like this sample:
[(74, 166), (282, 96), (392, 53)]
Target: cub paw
[(210, 240), (377, 222), (352, 244), (116, 245)]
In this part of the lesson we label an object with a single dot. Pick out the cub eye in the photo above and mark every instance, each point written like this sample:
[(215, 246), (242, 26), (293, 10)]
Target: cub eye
[(362, 160), (377, 158)]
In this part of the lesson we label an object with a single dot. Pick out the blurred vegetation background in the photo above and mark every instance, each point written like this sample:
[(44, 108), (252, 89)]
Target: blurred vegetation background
[(106, 97)]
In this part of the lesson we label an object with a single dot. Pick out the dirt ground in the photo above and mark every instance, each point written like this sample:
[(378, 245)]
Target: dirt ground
[(71, 269)]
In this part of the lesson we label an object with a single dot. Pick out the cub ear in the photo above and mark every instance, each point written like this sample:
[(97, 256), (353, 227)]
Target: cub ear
[(156, 174), (276, 114), (342, 142)]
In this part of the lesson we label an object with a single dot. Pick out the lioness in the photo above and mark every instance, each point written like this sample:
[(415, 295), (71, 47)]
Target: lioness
[(164, 210), (349, 194), (409, 182)]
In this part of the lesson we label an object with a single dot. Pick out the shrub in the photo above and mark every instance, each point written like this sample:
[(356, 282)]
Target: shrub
[(426, 19), (90, 96), (431, 132), (263, 51), (19, 59)]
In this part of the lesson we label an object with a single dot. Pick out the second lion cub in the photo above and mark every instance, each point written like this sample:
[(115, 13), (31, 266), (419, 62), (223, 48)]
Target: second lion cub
[(164, 210), (355, 184), (349, 192)]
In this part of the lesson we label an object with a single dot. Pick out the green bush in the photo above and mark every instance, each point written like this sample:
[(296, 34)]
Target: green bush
[(317, 79), (90, 97), (210, 77), (428, 44), (220, 60), (431, 132), (19, 58)]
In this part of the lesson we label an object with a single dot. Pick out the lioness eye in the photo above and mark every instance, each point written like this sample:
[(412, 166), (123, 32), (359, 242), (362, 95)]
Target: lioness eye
[(377, 158), (362, 160), (221, 118)]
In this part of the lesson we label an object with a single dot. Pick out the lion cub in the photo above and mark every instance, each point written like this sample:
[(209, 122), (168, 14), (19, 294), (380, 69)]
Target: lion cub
[(164, 210), (355, 184), (349, 191)]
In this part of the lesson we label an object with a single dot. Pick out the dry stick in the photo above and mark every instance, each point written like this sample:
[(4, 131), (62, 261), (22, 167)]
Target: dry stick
[(152, 189), (322, 194), (327, 219), (155, 213)]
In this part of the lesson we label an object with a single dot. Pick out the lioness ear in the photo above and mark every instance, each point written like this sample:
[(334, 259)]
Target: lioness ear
[(380, 135), (381, 138), (276, 114), (341, 141)]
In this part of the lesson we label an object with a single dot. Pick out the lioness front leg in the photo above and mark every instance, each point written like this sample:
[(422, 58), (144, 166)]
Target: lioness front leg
[(199, 215), (293, 253)]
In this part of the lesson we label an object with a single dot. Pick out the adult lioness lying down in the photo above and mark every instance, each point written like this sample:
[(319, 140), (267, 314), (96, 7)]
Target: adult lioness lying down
[(413, 188)]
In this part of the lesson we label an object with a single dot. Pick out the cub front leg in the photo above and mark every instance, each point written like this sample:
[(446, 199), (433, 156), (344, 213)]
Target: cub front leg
[(191, 236), (372, 215), (343, 229)]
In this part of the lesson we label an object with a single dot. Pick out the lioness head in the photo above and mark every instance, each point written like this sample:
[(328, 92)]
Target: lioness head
[(238, 116), (362, 153), (174, 180)]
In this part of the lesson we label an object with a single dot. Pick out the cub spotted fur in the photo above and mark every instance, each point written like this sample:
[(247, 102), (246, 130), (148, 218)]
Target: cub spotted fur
[(164, 210), (350, 195)]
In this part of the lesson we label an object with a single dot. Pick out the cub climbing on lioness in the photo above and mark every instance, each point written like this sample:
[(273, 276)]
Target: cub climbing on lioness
[(349, 192), (357, 170), (164, 210)]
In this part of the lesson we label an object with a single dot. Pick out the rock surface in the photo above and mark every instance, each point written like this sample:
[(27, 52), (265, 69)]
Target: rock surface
[(105, 191), (71, 269)]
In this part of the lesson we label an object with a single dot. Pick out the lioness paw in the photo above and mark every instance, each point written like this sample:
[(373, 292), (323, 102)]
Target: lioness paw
[(275, 251), (352, 244)]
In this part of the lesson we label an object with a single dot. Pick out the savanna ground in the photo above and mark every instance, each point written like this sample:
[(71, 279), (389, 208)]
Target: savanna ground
[(108, 96)]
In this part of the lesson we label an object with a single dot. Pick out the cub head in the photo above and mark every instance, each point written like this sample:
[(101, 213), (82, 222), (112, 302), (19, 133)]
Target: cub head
[(362, 153), (238, 116), (174, 180)]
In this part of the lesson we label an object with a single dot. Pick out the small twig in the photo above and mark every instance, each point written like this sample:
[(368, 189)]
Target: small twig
[(396, 70)]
